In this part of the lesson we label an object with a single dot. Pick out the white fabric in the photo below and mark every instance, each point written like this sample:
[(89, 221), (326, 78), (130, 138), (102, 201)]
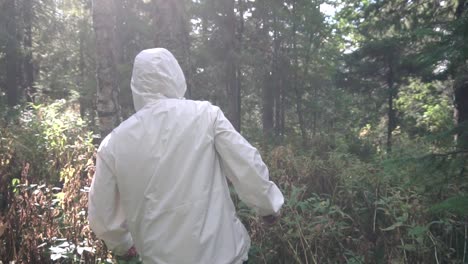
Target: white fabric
[(160, 180), (156, 74)]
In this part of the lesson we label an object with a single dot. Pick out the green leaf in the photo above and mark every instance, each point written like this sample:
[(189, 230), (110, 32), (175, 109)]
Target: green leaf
[(417, 231), (409, 247), (15, 182), (392, 227), (457, 205)]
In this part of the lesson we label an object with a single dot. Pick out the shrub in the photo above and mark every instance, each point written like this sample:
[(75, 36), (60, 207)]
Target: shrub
[(339, 207), (47, 166)]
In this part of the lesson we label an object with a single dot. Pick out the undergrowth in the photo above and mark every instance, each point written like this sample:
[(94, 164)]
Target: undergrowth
[(47, 163), (340, 207)]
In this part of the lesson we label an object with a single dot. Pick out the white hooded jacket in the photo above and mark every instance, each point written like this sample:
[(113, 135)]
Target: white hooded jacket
[(160, 181)]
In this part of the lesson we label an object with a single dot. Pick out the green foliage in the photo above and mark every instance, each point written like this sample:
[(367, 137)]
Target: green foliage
[(347, 200), (339, 208), (426, 107), (342, 210), (47, 137), (46, 222), (457, 205)]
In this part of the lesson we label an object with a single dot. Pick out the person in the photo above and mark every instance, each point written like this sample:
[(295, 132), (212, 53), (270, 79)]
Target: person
[(160, 184)]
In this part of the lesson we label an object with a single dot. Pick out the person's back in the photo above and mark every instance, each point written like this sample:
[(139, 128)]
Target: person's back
[(161, 183)]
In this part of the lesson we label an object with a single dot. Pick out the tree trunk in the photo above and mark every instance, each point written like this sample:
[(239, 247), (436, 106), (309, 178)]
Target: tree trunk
[(238, 48), (390, 111), (461, 107), (121, 26), (461, 7), (11, 55), (267, 86), (172, 31), (267, 111), (282, 100), (232, 91), (306, 73), (166, 25), (315, 116), (277, 97), (108, 107), (276, 77), (28, 64), (460, 88), (81, 65), (299, 112), (231, 78), (187, 62)]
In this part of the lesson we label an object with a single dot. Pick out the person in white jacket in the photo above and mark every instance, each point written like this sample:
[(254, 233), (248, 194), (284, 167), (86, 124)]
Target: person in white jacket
[(160, 183)]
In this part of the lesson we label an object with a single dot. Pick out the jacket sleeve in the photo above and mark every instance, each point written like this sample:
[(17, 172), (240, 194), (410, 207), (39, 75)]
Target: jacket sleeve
[(243, 166), (105, 214)]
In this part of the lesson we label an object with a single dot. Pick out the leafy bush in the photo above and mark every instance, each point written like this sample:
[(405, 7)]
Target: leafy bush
[(340, 208), (47, 137), (47, 166)]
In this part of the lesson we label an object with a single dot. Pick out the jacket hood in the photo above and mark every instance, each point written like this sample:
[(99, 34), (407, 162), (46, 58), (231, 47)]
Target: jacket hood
[(156, 74)]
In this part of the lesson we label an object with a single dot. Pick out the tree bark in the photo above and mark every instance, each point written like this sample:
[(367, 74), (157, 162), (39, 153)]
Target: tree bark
[(166, 25), (306, 72), (460, 88), (81, 65), (238, 48), (268, 100), (461, 7), (11, 55), (231, 78), (299, 112), (391, 95), (121, 26), (186, 62), (108, 107), (461, 107), (276, 77), (315, 115), (172, 31), (28, 60), (267, 111), (282, 116)]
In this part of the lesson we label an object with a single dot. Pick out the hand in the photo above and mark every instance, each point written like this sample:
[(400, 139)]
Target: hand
[(131, 254), (271, 219)]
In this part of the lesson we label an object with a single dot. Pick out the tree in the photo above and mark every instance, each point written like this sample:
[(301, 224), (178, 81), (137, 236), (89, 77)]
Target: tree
[(460, 69), (231, 67), (272, 21), (108, 108), (172, 31), (295, 80), (384, 40), (217, 54), (11, 54), (384, 60), (28, 50)]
